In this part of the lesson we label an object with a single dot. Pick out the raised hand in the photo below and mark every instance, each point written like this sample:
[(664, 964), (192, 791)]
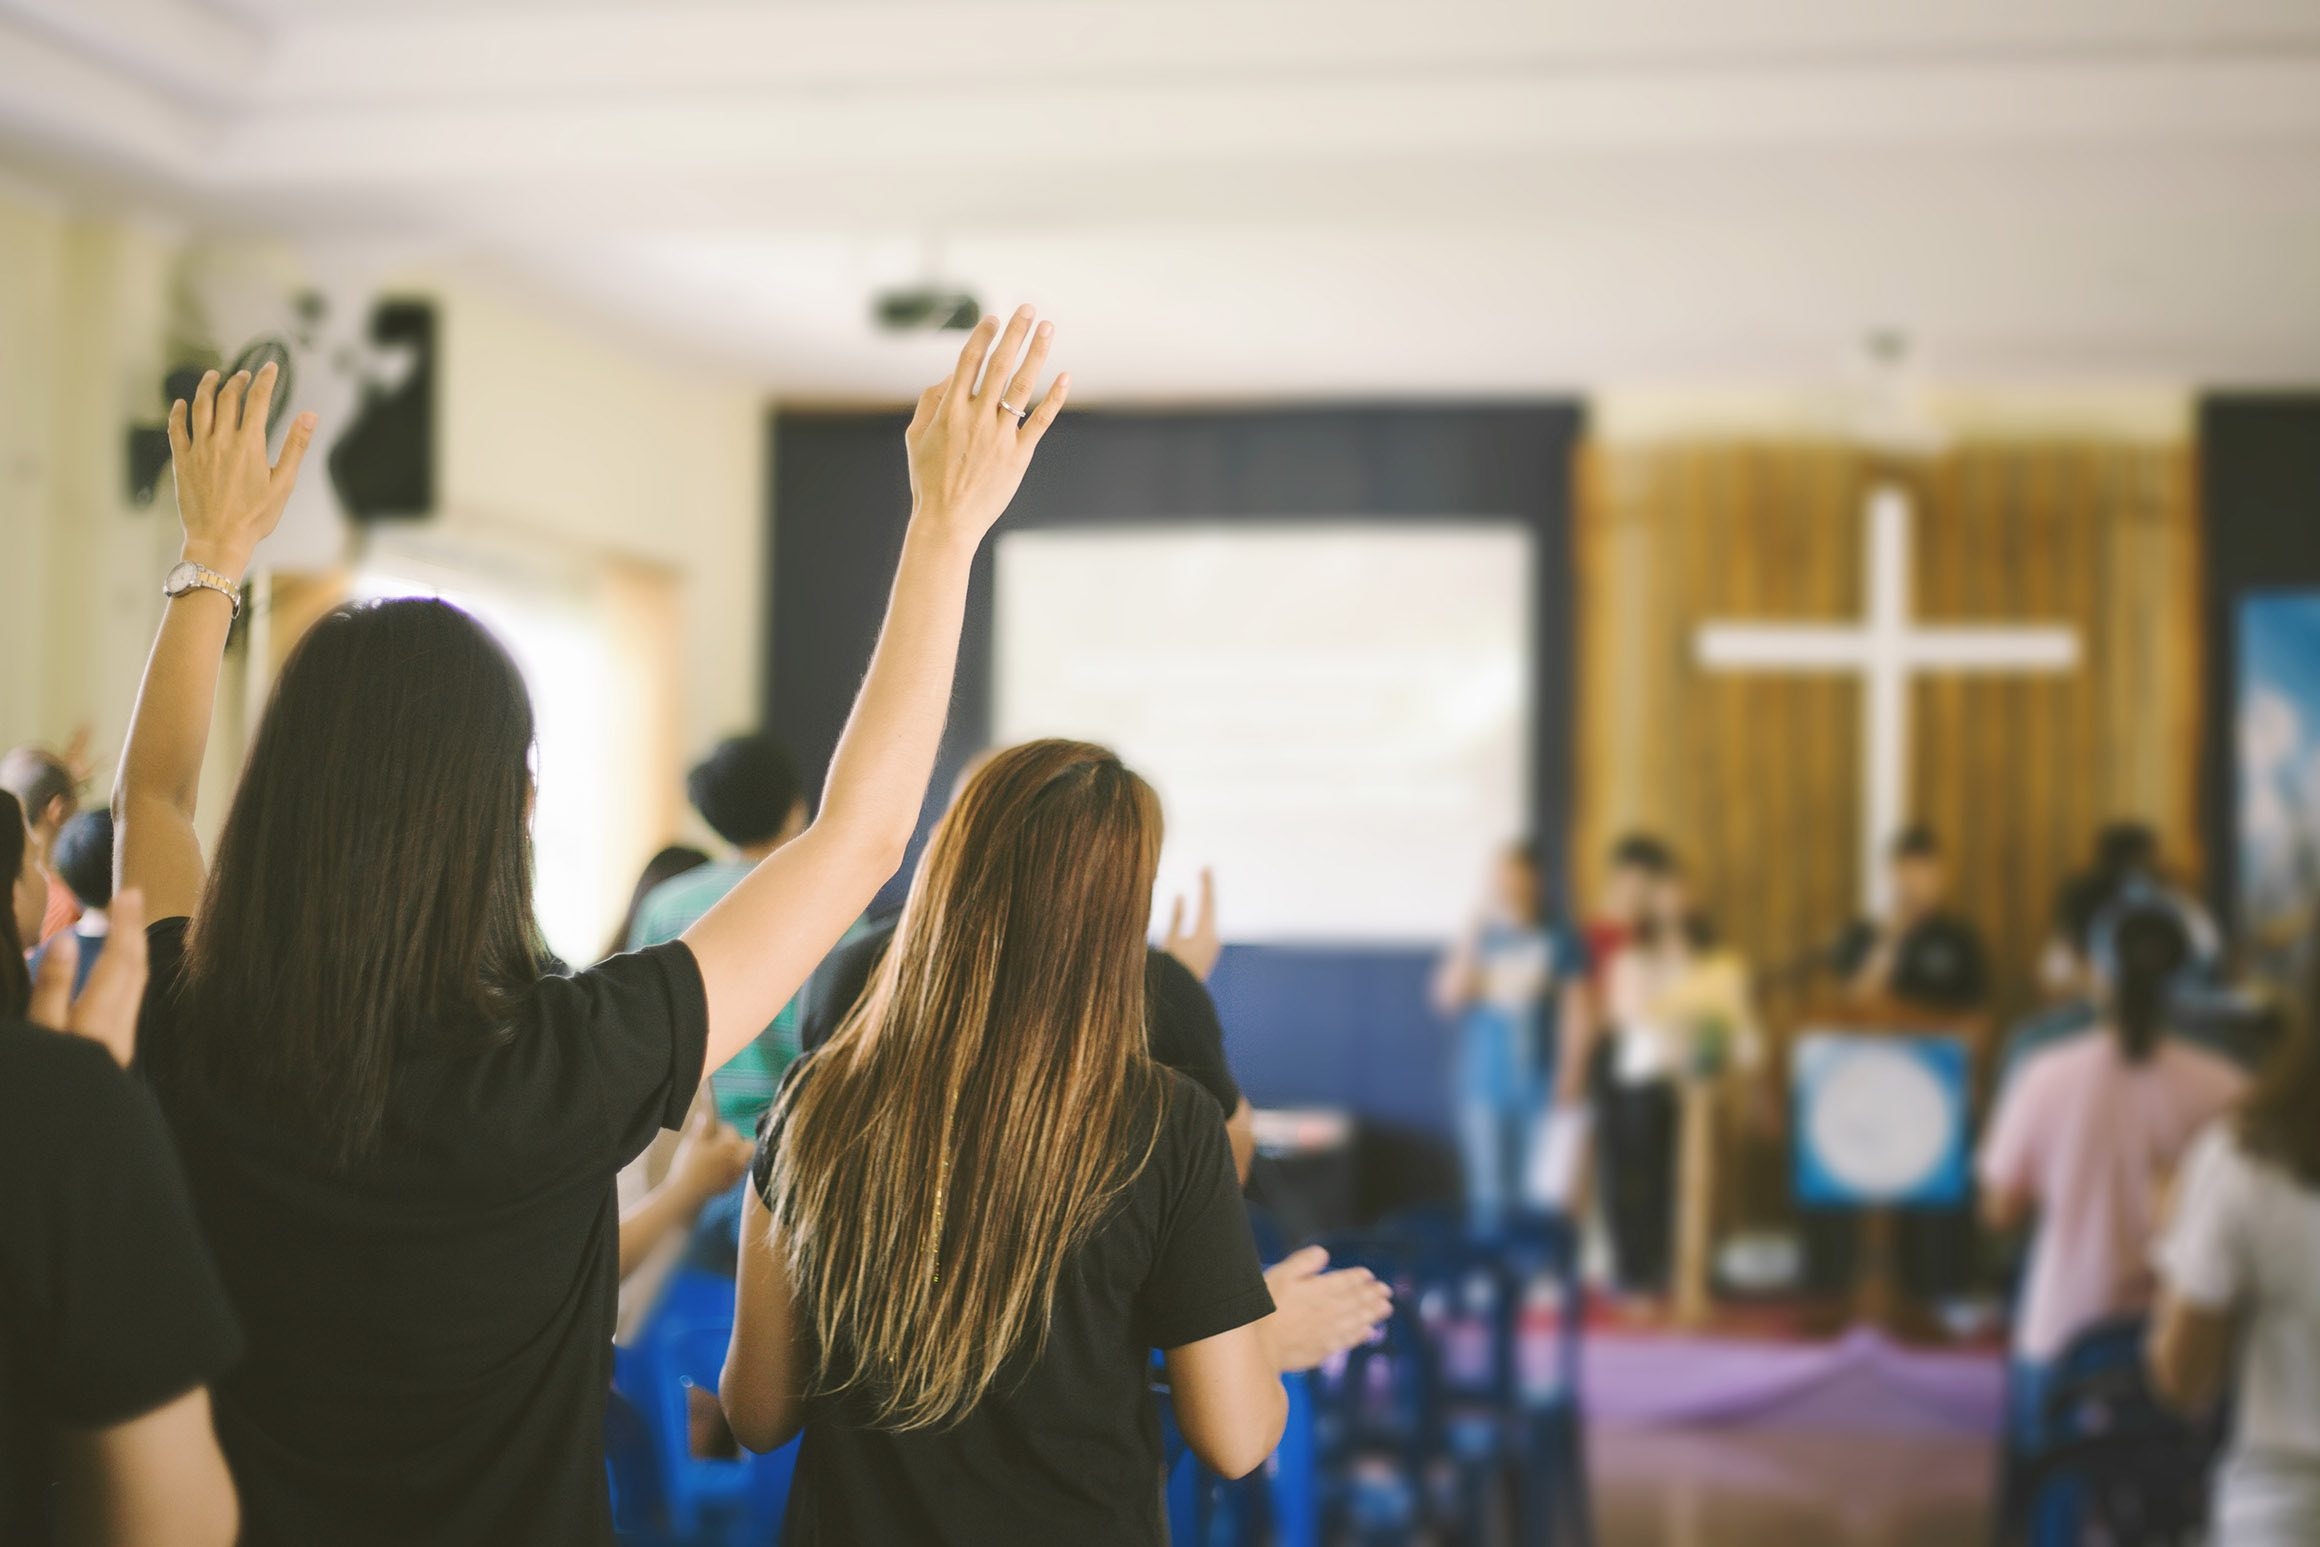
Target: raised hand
[(106, 1011), (228, 496), (1318, 1314), (1200, 946), (973, 435)]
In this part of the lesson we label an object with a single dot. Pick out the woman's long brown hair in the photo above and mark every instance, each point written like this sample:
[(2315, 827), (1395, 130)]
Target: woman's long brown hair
[(982, 1109)]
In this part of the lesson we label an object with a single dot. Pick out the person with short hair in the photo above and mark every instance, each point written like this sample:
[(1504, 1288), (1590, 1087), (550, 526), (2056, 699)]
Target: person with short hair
[(84, 859), (1921, 954), (747, 789), (48, 789)]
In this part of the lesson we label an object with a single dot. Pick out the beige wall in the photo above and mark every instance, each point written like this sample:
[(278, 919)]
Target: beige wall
[(555, 428), (557, 435), (81, 343)]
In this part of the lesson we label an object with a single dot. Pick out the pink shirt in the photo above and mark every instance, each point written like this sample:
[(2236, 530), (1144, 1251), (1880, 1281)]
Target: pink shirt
[(2092, 1141)]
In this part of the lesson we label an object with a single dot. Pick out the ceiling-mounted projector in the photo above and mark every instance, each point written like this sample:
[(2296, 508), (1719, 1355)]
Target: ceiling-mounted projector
[(925, 309)]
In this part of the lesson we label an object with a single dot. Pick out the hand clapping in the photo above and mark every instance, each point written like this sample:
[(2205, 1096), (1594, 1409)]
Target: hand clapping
[(1317, 1314)]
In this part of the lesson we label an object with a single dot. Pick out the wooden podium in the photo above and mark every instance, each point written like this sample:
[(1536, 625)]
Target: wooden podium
[(1690, 1300)]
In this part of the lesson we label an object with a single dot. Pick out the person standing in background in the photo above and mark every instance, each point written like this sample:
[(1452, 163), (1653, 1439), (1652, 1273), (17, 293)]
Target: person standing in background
[(47, 787), (667, 864), (2084, 1141), (1919, 954), (1681, 1011), (747, 789), (1639, 863), (1514, 984), (84, 859)]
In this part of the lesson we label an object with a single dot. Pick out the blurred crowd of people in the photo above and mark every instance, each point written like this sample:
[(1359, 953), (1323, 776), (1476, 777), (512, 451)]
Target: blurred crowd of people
[(2151, 1157)]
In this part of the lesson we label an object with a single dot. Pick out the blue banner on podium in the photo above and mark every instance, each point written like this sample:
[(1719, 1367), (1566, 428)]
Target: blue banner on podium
[(1880, 1119)]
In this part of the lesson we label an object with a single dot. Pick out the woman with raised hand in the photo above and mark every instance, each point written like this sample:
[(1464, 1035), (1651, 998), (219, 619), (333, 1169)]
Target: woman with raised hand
[(982, 1204), (400, 1129)]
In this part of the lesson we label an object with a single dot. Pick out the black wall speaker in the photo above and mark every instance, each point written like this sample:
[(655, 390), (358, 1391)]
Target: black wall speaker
[(383, 467)]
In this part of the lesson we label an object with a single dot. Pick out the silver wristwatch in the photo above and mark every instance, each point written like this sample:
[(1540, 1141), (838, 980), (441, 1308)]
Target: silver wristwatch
[(189, 576)]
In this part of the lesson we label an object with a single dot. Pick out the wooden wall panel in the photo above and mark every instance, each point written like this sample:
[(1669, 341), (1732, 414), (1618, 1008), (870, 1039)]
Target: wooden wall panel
[(1757, 777)]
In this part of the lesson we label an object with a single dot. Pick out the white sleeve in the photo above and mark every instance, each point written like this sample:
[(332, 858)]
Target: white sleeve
[(2205, 1255)]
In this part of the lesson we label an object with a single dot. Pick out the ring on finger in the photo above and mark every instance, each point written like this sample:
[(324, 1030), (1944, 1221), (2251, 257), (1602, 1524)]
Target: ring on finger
[(1020, 414)]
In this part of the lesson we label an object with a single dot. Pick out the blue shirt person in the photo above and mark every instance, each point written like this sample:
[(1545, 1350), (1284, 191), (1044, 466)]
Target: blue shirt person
[(1507, 986)]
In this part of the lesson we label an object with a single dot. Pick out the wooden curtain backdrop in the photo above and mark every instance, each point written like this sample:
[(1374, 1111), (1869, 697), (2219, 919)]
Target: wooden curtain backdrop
[(1756, 776)]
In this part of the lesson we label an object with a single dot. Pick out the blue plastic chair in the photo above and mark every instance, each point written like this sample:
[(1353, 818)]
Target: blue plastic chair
[(2110, 1462), (1498, 1419), (681, 1348), (1278, 1505), (632, 1466), (1375, 1408)]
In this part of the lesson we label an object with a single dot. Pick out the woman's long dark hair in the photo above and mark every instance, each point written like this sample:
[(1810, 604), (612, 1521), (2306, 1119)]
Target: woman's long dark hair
[(373, 885), (2281, 1121), (15, 977), (2150, 947)]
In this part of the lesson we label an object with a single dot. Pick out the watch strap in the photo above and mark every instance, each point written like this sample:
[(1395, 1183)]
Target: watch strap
[(200, 577)]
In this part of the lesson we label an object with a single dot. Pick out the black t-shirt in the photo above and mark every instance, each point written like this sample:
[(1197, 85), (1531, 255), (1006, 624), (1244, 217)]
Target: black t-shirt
[(1938, 966), (431, 1331), (1183, 1030), (1067, 1447), (109, 1304)]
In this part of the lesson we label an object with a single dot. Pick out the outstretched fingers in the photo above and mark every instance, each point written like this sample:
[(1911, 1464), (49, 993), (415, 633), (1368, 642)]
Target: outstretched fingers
[(1002, 361), (261, 398), (1049, 406), (930, 403), (294, 445), (1026, 378), (961, 391), (229, 402), (205, 404)]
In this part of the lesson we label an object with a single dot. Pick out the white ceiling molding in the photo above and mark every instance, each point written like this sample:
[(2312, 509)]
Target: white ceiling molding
[(1269, 196)]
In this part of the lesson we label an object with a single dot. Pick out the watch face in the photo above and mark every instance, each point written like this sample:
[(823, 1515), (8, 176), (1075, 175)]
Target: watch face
[(180, 578)]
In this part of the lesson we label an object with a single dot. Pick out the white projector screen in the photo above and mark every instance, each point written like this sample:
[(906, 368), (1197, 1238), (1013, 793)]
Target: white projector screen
[(1336, 715)]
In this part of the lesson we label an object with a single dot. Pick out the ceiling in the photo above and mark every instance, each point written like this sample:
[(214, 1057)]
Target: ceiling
[(1257, 197)]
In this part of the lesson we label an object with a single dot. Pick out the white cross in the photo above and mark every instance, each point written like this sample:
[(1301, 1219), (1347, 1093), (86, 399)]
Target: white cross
[(1885, 651)]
